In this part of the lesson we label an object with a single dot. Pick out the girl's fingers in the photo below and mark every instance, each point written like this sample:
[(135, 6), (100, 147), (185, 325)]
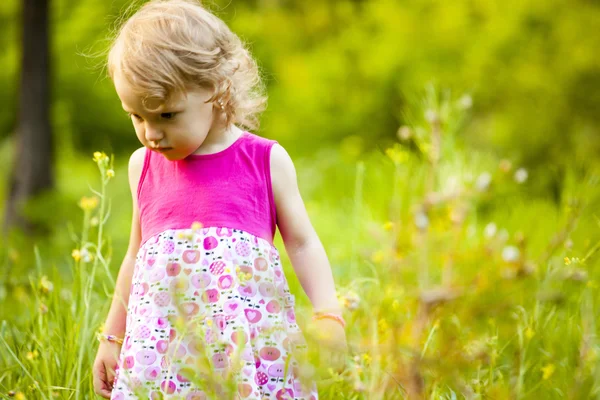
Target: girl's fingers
[(105, 393), (111, 374), (100, 386)]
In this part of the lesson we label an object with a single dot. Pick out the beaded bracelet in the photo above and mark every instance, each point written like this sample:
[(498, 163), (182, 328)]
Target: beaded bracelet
[(335, 317), (109, 338)]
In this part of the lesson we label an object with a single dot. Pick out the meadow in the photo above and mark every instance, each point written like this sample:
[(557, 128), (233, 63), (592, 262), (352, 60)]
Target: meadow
[(457, 280)]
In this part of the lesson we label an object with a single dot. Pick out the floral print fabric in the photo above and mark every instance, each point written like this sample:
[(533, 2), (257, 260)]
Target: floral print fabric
[(210, 314)]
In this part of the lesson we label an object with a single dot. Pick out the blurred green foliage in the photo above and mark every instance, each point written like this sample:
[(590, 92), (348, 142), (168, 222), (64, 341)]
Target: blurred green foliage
[(344, 70), (455, 281), (343, 77)]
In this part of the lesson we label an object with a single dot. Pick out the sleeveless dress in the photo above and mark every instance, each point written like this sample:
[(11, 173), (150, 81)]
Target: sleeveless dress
[(210, 314)]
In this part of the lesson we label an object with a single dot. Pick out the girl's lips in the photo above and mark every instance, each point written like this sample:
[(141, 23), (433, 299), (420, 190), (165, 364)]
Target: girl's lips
[(161, 149)]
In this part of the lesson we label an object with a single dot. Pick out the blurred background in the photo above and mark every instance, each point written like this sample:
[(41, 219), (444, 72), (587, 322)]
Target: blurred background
[(340, 74), (356, 88)]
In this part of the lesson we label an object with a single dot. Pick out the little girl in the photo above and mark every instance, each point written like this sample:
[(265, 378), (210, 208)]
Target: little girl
[(202, 308)]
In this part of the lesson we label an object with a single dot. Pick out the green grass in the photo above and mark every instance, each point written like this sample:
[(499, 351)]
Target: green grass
[(458, 284)]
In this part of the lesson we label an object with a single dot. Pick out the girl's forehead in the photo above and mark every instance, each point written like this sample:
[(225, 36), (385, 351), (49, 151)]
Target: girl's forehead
[(134, 100)]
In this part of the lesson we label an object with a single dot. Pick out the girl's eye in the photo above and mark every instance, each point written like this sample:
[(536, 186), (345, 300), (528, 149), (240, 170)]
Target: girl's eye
[(168, 115), (135, 116)]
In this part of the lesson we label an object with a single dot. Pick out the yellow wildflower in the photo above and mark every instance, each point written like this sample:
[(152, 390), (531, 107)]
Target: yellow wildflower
[(45, 285), (76, 254), (567, 261), (110, 173), (377, 257), (20, 293), (494, 356), (179, 284), (324, 335), (529, 333), (227, 270), (20, 396), (482, 282), (547, 371), (99, 156), (396, 154), (180, 322), (197, 226), (591, 355), (505, 165), (209, 322), (88, 203), (31, 355), (367, 358), (388, 226), (382, 324), (13, 255)]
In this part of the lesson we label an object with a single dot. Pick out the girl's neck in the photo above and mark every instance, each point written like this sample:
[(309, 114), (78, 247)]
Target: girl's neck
[(219, 139)]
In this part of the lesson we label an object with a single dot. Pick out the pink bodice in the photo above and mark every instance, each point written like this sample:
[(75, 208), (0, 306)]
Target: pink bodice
[(230, 189)]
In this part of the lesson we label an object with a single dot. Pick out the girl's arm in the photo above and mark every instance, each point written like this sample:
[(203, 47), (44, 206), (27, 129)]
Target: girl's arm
[(302, 243), (115, 321)]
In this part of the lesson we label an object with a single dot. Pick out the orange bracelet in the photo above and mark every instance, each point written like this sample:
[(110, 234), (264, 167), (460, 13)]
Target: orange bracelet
[(109, 338), (335, 317)]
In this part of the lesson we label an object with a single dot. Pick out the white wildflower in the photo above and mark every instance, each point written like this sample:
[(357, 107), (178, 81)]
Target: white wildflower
[(85, 255), (431, 116), (66, 294), (521, 175), (404, 133), (349, 300), (510, 254), (483, 181), (490, 230), (471, 230), (421, 220), (452, 184), (465, 102), (568, 244)]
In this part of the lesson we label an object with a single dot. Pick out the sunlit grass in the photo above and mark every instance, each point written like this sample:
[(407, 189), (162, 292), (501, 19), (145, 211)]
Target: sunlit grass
[(456, 282)]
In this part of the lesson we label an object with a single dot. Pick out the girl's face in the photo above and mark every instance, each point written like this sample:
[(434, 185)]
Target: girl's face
[(178, 129)]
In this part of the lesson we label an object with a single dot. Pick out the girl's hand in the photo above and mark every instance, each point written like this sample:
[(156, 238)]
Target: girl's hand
[(104, 369), (331, 345)]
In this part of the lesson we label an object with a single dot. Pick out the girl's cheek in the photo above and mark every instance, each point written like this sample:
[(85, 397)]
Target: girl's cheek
[(139, 133)]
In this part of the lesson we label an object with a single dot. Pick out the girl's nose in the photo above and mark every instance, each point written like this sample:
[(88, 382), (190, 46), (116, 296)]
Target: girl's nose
[(152, 133)]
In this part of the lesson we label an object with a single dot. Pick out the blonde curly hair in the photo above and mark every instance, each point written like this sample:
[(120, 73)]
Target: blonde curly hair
[(171, 46)]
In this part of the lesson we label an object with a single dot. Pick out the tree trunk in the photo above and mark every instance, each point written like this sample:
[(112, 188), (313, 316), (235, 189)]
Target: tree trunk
[(33, 167)]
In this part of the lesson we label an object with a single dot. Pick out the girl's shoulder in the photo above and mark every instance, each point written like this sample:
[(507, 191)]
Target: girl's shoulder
[(137, 158), (255, 139), (283, 173), (281, 160), (136, 167)]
